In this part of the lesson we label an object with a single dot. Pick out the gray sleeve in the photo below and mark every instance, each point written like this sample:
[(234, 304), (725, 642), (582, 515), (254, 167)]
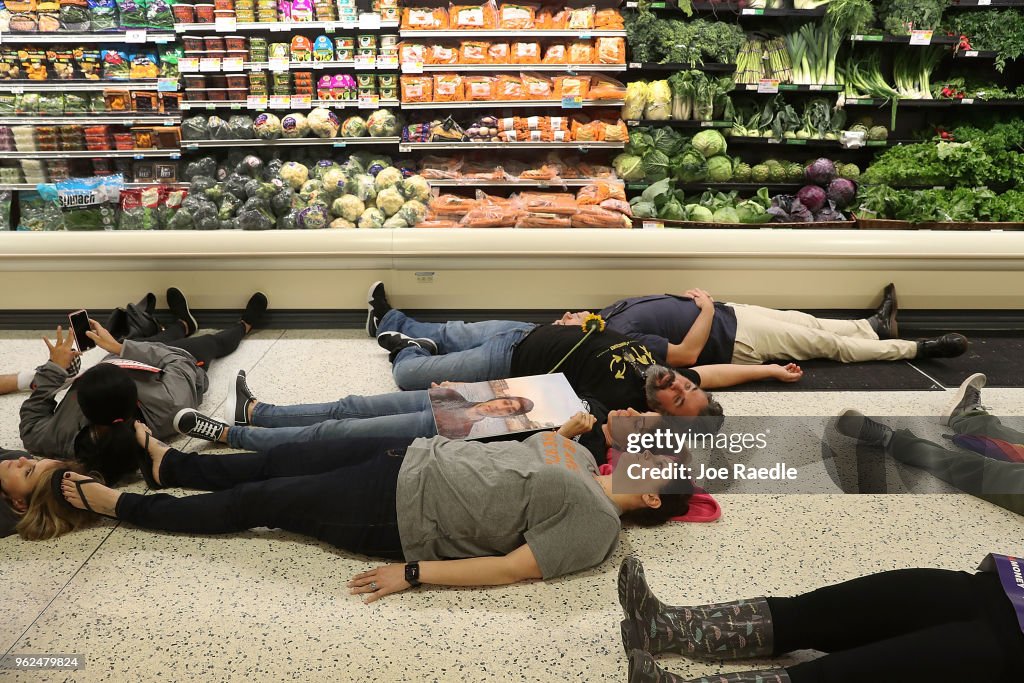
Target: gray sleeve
[(180, 378), (578, 537), (37, 412)]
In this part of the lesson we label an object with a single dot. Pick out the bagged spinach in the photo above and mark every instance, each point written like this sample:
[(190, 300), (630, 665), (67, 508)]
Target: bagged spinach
[(74, 15), (103, 15), (133, 13), (158, 14), (195, 128), (90, 203), (40, 210)]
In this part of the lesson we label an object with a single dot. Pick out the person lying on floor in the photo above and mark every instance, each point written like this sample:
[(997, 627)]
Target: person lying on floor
[(457, 513), (976, 471), (250, 424), (149, 379), (605, 365), (903, 626), (694, 329)]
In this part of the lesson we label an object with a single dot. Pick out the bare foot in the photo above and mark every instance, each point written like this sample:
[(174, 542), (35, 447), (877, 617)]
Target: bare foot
[(156, 448), (97, 497)]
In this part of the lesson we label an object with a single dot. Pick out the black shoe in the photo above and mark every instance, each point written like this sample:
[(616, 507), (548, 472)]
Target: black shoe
[(395, 342), (376, 307), (883, 322), (856, 425), (946, 346), (191, 422), (179, 309), (968, 398), (255, 310), (147, 303), (236, 408)]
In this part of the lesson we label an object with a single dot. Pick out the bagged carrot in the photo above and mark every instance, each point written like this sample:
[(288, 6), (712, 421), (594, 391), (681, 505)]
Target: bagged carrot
[(442, 54), (425, 18), (604, 88), (571, 86), (479, 88), (449, 88), (556, 53), (517, 16), (581, 52), (611, 50), (609, 20), (417, 88), (498, 53), (473, 52), (508, 87), (581, 18), (525, 53), (412, 53), (483, 16), (537, 87)]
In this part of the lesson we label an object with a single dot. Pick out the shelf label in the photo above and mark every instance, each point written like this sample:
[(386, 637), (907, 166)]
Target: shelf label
[(921, 37), (175, 155), (329, 27), (302, 102), (982, 3), (188, 65), (748, 11), (768, 86), (658, 5), (575, 102), (796, 141), (635, 65), (412, 67), (279, 64), (585, 35), (256, 101), (338, 143), (369, 102), (210, 106), (387, 63), (967, 100), (232, 64), (872, 38), (707, 124), (632, 123), (167, 84), (365, 61), (814, 87), (225, 25), (653, 225), (369, 21), (190, 147), (209, 64), (280, 101), (135, 35), (971, 53)]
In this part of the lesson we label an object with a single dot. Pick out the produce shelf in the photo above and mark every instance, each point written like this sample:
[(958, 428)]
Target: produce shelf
[(486, 68), (113, 37), (20, 86), (679, 124), (792, 87), (534, 33), (122, 118), (244, 106), (976, 3), (96, 154), (904, 40), (734, 8), (315, 66), (508, 103), (680, 66), (281, 27), (975, 54), (564, 182), (191, 145), (583, 146), (17, 187), (742, 188), (794, 142)]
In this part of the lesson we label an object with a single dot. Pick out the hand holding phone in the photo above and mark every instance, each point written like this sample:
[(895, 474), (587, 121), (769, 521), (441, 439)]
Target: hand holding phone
[(79, 326)]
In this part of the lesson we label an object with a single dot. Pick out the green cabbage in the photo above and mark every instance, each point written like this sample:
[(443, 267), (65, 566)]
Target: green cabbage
[(629, 167), (691, 166), (726, 214), (710, 143), (698, 213), (719, 169)]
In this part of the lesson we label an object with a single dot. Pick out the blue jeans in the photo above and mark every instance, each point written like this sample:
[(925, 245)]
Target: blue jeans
[(401, 414), (467, 352)]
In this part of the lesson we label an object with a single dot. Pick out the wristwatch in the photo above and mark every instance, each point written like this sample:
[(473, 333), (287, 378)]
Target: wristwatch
[(412, 573)]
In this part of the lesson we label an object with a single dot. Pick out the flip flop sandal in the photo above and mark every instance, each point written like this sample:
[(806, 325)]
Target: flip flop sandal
[(55, 485), (146, 466)]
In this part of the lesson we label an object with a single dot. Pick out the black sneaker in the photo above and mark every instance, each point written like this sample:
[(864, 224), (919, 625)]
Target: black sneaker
[(376, 307), (396, 342), (191, 422), (856, 425), (946, 346), (179, 309), (968, 398), (255, 310), (236, 408)]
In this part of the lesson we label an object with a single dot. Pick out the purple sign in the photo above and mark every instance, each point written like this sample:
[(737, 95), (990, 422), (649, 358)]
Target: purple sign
[(1011, 574)]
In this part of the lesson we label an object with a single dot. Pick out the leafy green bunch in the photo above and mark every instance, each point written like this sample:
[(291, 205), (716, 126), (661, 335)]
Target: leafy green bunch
[(1001, 31), (656, 39), (900, 17), (963, 204)]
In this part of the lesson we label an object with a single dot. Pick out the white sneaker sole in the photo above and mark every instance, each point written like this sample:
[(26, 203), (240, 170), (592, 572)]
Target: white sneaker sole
[(231, 402), (977, 380)]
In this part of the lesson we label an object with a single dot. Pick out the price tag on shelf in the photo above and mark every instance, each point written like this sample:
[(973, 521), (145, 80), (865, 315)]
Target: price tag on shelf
[(236, 105), (188, 65), (232, 64), (207, 64), (280, 101), (329, 27), (921, 37), (658, 5), (707, 124), (653, 225), (366, 61), (175, 155), (135, 35), (967, 100), (635, 65), (572, 102), (982, 3), (280, 26), (256, 101), (339, 143), (387, 62), (279, 64), (871, 38), (749, 11), (369, 102), (632, 123), (166, 85), (796, 141), (412, 67), (585, 35), (139, 157), (768, 86), (369, 21), (225, 25), (302, 102), (971, 53), (814, 87)]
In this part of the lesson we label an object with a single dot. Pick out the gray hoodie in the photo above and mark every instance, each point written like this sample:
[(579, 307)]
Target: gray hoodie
[(49, 428)]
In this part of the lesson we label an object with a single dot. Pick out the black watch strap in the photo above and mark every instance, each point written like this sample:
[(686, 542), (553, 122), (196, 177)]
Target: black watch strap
[(412, 573)]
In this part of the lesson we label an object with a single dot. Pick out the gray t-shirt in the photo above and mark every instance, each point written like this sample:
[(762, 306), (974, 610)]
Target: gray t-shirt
[(459, 499)]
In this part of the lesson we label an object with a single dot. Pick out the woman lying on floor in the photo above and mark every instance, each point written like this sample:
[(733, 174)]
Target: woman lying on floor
[(511, 510), (905, 626)]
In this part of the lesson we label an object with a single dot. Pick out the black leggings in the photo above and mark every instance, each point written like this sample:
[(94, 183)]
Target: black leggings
[(206, 347), (340, 492), (906, 626)]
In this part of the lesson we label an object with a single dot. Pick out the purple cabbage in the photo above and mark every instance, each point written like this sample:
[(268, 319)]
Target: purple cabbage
[(829, 213), (812, 196), (786, 208), (842, 192), (821, 172)]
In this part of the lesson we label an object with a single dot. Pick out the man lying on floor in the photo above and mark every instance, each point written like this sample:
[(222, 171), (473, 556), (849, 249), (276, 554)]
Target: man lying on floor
[(993, 466)]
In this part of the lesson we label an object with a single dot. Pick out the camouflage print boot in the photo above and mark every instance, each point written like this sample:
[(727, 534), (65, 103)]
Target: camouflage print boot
[(731, 630), (643, 669)]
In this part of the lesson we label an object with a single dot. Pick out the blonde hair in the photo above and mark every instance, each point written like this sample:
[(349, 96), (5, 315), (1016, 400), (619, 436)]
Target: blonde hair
[(48, 514)]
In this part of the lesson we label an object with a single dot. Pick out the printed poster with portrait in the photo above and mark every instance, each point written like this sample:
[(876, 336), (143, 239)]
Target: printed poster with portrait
[(504, 406)]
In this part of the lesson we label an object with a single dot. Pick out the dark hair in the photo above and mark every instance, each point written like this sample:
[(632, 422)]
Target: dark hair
[(112, 451), (672, 505), (106, 393), (525, 404), (712, 416)]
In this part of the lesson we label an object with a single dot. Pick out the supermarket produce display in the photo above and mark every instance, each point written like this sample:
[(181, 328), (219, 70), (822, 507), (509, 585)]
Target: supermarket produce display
[(696, 112)]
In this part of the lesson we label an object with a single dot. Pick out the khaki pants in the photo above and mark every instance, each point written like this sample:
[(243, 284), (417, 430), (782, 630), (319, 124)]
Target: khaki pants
[(764, 334)]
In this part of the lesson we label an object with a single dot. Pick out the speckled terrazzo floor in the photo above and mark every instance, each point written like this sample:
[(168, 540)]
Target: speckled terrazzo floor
[(270, 606)]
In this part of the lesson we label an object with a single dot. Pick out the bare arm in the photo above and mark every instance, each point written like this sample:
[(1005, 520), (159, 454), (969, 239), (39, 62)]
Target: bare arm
[(8, 384), (518, 565), (719, 376), (685, 353)]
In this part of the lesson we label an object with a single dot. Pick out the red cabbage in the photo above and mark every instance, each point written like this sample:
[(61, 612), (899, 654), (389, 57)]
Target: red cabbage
[(821, 172), (842, 192), (812, 196)]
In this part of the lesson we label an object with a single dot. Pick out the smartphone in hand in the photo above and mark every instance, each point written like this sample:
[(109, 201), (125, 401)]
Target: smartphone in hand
[(79, 326)]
